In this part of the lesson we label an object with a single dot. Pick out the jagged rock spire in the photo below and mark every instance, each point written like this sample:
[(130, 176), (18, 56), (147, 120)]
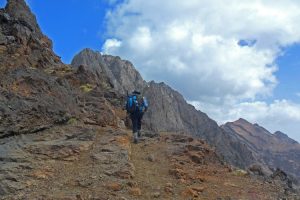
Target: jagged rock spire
[(19, 10)]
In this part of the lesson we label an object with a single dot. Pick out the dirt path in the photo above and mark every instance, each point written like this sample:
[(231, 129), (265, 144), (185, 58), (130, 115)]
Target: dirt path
[(152, 170), (95, 163)]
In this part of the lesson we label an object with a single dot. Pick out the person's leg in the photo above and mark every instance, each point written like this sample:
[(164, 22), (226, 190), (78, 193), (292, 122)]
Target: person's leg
[(134, 120), (139, 123)]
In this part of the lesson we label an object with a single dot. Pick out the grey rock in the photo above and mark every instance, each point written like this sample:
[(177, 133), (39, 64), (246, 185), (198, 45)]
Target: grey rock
[(3, 40), (4, 17), (19, 10), (10, 39), (151, 158), (121, 74), (168, 110), (269, 150), (156, 194)]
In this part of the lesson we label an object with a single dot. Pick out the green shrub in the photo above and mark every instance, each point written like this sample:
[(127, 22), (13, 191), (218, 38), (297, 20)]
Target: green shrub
[(87, 87), (72, 120)]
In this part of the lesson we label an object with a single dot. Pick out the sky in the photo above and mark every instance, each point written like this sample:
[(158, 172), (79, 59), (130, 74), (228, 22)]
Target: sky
[(233, 59)]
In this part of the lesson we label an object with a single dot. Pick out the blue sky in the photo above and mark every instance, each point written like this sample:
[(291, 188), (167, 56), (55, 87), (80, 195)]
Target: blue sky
[(71, 24), (163, 50), (289, 74)]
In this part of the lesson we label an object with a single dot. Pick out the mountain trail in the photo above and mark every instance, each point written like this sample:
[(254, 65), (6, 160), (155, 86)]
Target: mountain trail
[(84, 162)]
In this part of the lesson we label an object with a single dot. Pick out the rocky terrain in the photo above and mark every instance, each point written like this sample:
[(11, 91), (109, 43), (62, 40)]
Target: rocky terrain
[(79, 161), (276, 150), (169, 112), (63, 134)]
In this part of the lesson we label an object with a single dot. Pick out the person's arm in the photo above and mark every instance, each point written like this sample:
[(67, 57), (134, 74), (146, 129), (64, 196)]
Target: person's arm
[(145, 103)]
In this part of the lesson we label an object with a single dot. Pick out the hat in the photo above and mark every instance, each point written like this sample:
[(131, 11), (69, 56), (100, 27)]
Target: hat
[(136, 92)]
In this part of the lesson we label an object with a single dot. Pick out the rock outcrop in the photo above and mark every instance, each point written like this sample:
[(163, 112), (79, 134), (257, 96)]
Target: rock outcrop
[(62, 137), (168, 111), (21, 40), (37, 90), (275, 150), (31, 98), (121, 74)]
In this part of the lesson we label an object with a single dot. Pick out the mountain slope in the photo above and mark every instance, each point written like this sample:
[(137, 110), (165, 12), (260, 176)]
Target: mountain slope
[(62, 137), (79, 161), (168, 111), (276, 150), (121, 74)]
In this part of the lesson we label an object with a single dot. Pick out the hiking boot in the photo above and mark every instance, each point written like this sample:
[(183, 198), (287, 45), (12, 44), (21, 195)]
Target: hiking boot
[(139, 133), (135, 137)]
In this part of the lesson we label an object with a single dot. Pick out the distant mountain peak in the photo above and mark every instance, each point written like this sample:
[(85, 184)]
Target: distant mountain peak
[(282, 136), (242, 120), (276, 150)]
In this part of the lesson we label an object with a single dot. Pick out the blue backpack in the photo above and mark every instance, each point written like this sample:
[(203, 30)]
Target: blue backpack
[(134, 104)]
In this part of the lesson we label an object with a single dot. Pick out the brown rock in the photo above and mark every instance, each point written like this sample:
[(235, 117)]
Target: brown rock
[(169, 185), (196, 158), (135, 191), (189, 193), (193, 191), (114, 186), (156, 194), (42, 174), (198, 188), (178, 173), (169, 188), (2, 49), (151, 158), (132, 184), (124, 174)]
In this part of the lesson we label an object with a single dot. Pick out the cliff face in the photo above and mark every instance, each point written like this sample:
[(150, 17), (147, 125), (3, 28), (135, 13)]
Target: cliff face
[(30, 98), (38, 91), (121, 74), (276, 150), (168, 111), (21, 40), (58, 122)]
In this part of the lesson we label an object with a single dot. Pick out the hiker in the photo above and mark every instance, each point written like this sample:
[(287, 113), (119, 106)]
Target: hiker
[(136, 106)]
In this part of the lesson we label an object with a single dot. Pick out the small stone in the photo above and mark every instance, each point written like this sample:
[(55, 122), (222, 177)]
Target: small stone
[(114, 186), (135, 191), (79, 197), (189, 193), (5, 17), (198, 188), (125, 174), (169, 185), (2, 49), (169, 190), (132, 184), (84, 183), (156, 194), (151, 158)]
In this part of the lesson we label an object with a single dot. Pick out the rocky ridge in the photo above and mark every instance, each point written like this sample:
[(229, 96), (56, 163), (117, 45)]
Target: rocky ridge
[(62, 135), (276, 150), (169, 112)]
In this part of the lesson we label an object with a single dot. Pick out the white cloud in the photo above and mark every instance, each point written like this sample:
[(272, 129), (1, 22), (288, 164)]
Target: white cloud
[(111, 44), (194, 45)]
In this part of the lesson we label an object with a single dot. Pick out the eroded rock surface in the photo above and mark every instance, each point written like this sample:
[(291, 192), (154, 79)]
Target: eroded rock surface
[(62, 134), (275, 150)]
